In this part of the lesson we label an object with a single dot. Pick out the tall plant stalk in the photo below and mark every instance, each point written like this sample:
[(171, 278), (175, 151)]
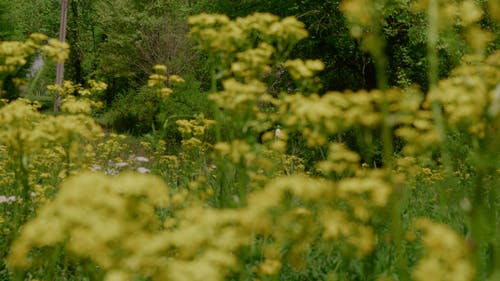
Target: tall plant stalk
[(60, 64)]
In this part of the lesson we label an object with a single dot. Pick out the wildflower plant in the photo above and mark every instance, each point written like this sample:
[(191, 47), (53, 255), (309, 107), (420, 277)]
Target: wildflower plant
[(77, 99), (446, 256), (134, 197), (405, 115)]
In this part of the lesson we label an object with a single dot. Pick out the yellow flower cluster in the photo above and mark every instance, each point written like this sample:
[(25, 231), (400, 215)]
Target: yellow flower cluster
[(304, 73), (111, 147), (193, 131), (76, 98), (446, 254), (238, 96), (300, 69), (71, 104), (469, 96), (13, 54), (69, 130), (420, 133), (253, 63), (36, 144), (494, 9), (18, 121), (219, 34), (340, 160), (194, 128), (56, 50), (7, 178), (24, 129), (97, 86), (466, 12), (237, 151), (331, 113), (465, 15), (120, 232), (365, 19), (339, 226), (160, 80), (359, 11), (97, 227), (291, 165), (265, 214)]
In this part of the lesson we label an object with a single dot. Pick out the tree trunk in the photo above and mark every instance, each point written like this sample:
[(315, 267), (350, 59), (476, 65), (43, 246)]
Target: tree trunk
[(60, 65)]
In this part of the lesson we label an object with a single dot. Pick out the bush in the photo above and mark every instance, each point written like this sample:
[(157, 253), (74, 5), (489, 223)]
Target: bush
[(143, 112)]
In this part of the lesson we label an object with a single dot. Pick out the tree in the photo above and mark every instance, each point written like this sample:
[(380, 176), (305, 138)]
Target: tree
[(8, 29), (60, 65), (135, 35)]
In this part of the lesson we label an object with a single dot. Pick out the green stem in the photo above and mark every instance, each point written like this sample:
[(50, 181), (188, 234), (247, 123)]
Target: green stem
[(479, 224), (22, 183), (217, 112), (484, 215), (433, 59), (400, 199), (377, 50), (243, 182), (213, 78), (432, 40)]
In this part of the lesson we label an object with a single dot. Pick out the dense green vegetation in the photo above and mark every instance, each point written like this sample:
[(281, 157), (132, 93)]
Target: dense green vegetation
[(251, 140)]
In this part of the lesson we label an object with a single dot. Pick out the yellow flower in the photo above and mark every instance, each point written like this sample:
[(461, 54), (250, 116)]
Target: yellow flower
[(340, 160), (94, 215), (359, 11), (175, 79), (269, 267), (160, 69), (56, 50), (469, 12), (446, 256), (300, 69)]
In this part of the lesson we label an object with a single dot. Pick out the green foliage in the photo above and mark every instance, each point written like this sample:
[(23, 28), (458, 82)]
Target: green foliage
[(35, 16), (8, 29), (143, 112), (136, 35)]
